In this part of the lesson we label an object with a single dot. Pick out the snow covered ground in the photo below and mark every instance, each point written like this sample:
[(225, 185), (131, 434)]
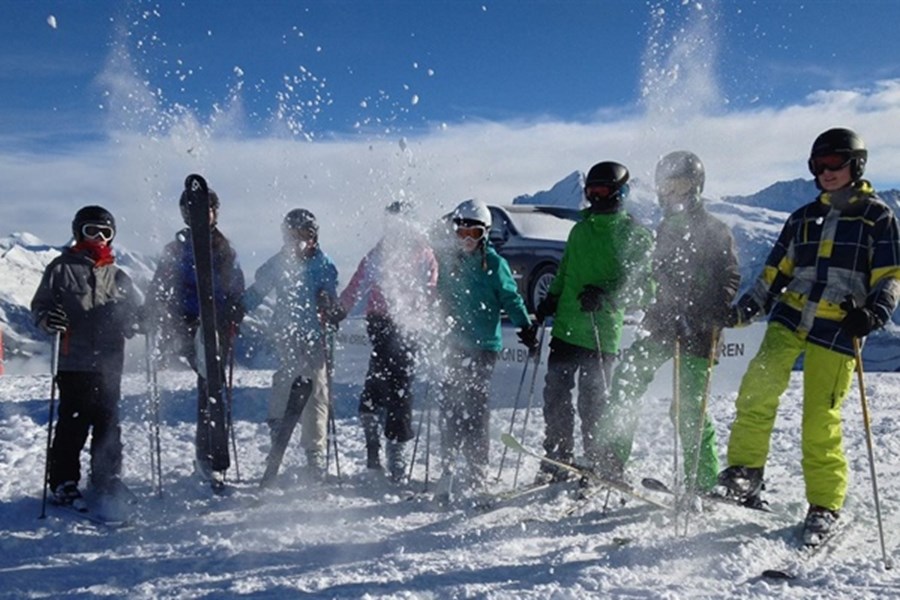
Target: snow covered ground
[(362, 537)]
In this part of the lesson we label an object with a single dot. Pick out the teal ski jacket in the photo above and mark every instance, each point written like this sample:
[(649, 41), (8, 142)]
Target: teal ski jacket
[(473, 289)]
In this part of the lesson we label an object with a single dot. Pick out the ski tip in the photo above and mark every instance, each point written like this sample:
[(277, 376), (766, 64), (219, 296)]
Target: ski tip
[(509, 441), (654, 484), (194, 182), (776, 574)]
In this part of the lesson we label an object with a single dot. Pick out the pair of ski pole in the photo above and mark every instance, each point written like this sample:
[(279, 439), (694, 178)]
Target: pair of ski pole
[(536, 361)]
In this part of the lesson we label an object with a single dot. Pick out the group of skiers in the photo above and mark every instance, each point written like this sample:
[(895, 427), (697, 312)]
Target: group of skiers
[(436, 297)]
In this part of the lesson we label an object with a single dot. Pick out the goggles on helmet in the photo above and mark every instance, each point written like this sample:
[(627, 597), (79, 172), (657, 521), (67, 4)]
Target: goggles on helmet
[(475, 232), (598, 191), (828, 162), (94, 231), (675, 186)]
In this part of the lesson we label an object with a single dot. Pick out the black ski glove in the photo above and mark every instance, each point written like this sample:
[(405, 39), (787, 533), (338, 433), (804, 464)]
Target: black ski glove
[(547, 308), (528, 337), (592, 298), (681, 328), (234, 314), (56, 319), (330, 310), (740, 314), (859, 321)]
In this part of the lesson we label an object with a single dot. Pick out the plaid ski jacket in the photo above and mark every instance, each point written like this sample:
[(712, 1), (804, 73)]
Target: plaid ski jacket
[(825, 254)]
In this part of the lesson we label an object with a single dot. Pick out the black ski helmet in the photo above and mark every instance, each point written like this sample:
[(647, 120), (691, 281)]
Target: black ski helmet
[(93, 215), (300, 219), (612, 175), (843, 142), (183, 205)]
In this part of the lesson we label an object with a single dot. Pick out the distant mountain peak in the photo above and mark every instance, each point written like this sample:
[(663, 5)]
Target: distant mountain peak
[(566, 192)]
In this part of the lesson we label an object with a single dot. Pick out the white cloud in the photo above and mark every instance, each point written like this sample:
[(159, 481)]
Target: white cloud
[(347, 182)]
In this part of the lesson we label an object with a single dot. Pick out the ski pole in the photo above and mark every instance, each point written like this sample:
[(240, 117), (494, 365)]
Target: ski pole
[(150, 411), (888, 563), (153, 390), (328, 342), (54, 367), (599, 345), (676, 407), (698, 439), (229, 394), (512, 419), (428, 443), (412, 460), (537, 362)]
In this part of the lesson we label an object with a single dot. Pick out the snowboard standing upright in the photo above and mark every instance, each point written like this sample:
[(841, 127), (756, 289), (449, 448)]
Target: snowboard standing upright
[(213, 443)]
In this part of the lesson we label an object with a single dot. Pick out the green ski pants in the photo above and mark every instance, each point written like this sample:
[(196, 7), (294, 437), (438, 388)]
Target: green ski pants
[(632, 378)]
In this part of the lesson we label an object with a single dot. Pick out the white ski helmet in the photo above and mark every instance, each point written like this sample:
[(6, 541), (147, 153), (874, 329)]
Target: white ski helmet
[(472, 211), (680, 178)]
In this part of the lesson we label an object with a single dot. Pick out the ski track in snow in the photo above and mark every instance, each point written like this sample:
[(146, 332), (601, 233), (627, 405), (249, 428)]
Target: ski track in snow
[(365, 539)]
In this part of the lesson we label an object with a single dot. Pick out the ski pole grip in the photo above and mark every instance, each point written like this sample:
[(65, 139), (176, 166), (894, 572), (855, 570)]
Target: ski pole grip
[(54, 355)]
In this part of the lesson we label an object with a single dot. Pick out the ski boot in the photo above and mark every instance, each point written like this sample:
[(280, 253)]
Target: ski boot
[(396, 459), (444, 489), (315, 465), (818, 525), (369, 423), (550, 473), (742, 485), (68, 494)]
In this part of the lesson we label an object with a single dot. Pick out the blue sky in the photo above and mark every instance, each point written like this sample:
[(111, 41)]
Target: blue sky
[(462, 60), (287, 103)]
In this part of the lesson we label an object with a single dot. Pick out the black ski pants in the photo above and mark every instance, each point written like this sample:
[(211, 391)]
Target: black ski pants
[(566, 361), (388, 385), (88, 404), (465, 411)]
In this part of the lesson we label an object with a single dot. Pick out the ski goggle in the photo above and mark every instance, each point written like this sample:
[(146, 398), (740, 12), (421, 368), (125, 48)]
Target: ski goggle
[(597, 191), (93, 231), (675, 186), (829, 162), (301, 234), (475, 232)]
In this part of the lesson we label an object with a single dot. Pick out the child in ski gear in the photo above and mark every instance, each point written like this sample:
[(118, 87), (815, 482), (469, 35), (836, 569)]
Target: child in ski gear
[(833, 274), (174, 316), (395, 280), (304, 280), (697, 277), (604, 269), (93, 304), (474, 285)]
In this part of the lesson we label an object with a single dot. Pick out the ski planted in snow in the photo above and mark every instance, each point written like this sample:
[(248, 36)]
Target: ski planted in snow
[(656, 485), (216, 454), (620, 486)]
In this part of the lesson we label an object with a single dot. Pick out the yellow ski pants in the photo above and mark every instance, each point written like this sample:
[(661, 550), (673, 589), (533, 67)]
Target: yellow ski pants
[(827, 376)]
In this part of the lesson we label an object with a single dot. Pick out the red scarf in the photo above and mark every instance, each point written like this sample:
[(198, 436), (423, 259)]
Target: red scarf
[(101, 254)]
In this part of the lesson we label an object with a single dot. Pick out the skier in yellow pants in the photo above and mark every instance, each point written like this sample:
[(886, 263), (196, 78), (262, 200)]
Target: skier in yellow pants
[(833, 275)]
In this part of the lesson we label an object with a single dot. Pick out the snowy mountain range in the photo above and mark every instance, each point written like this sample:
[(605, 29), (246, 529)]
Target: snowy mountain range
[(755, 221)]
